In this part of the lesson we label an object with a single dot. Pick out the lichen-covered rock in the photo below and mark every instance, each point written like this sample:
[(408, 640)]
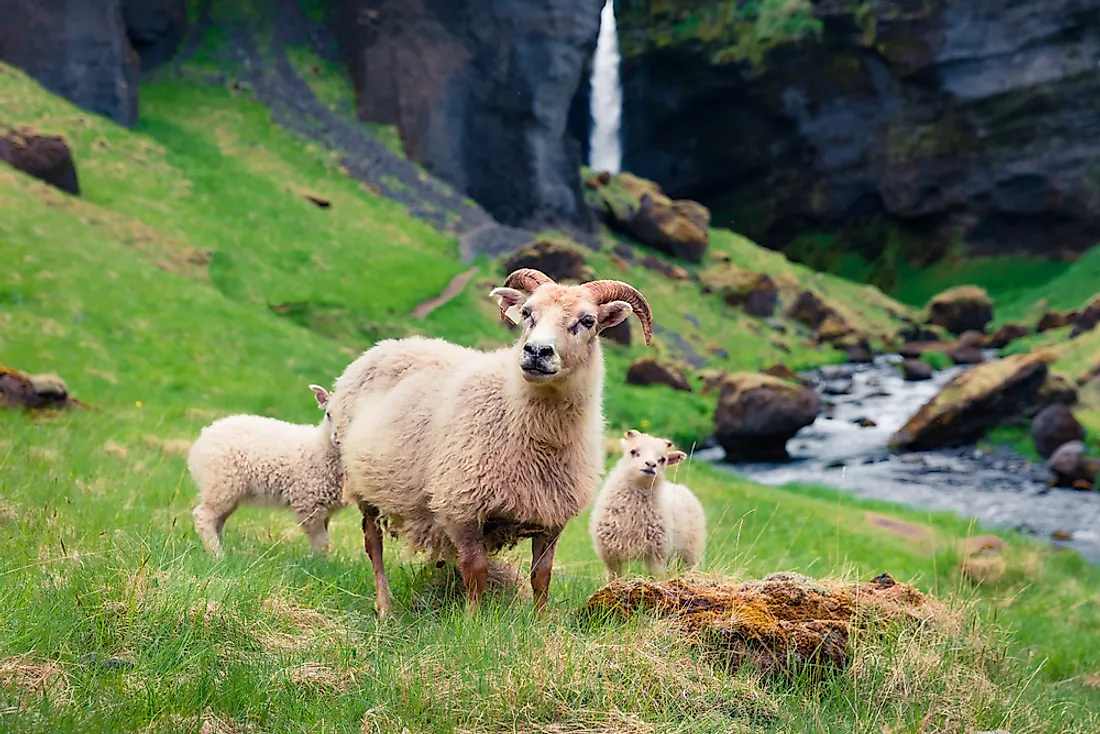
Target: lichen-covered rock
[(1007, 334), (780, 624), (966, 308), (757, 293), (650, 371), (76, 49), (1056, 390), (758, 414), (33, 392), (561, 260), (973, 402), (1054, 426), (46, 157), (808, 309), (638, 208)]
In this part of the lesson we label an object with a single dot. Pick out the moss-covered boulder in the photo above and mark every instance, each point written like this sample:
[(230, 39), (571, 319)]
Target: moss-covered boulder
[(1007, 334), (962, 309), (650, 371), (758, 414), (32, 392), (46, 157), (638, 208), (756, 293), (973, 402), (561, 260), (1056, 320)]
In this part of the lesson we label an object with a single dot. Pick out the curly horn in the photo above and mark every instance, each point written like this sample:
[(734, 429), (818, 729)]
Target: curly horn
[(525, 279), (605, 291)]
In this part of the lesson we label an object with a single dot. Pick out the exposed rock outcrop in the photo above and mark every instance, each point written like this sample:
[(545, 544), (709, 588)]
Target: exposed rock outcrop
[(756, 293), (948, 120), (480, 91), (639, 209), (1054, 426), (649, 371), (962, 309), (46, 157), (560, 260), (758, 414), (155, 29), (973, 402), (76, 49)]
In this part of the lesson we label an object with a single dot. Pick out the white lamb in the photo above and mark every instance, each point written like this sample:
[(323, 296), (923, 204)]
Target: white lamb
[(465, 452), (638, 515), (251, 459)]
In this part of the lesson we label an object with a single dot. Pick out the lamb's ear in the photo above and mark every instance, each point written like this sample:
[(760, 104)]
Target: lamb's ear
[(321, 394), (675, 457), (612, 314), (632, 433), (507, 299)]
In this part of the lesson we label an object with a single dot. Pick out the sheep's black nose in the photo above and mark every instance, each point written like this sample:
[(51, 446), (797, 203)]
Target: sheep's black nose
[(650, 465), (537, 351)]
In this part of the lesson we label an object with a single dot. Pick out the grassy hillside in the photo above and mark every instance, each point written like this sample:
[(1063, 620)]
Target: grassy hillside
[(192, 279)]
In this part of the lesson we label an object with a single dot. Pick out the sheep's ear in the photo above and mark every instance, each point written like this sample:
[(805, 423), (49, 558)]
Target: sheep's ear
[(675, 457), (508, 299), (321, 394), (612, 314), (624, 444), (632, 433)]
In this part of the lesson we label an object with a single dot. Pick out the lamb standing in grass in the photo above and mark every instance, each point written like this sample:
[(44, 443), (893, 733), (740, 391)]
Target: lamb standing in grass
[(640, 516), (251, 459)]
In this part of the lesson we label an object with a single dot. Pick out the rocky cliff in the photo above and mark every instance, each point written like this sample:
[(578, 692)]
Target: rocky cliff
[(902, 126), (480, 91)]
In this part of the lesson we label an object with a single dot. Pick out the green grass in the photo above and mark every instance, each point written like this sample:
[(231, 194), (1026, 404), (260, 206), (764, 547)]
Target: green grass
[(1005, 278), (98, 558)]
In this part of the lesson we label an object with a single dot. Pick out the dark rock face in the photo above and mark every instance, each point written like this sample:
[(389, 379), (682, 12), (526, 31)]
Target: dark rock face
[(757, 415), (944, 119), (155, 28), (915, 370), (1072, 468), (560, 260), (1054, 426), (480, 92), (46, 157), (76, 49), (648, 371)]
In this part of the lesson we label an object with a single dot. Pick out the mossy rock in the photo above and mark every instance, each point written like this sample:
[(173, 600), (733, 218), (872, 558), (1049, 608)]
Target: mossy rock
[(961, 309), (974, 402), (757, 293), (640, 209), (757, 414), (560, 259)]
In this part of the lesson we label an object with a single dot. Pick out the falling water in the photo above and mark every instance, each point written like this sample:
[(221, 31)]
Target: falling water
[(605, 153)]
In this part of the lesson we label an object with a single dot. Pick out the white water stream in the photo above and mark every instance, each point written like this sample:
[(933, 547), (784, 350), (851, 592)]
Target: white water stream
[(606, 105)]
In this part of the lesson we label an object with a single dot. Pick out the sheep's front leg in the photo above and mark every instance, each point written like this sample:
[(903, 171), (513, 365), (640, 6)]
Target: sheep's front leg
[(473, 562), (372, 544), (542, 564)]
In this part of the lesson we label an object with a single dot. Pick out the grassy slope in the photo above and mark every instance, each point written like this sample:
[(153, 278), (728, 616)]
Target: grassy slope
[(97, 554)]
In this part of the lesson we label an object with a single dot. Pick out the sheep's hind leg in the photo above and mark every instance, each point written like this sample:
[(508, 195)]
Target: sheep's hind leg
[(372, 544), (473, 562), (542, 564)]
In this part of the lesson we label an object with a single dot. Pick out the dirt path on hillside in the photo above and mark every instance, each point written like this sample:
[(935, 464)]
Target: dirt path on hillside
[(456, 286)]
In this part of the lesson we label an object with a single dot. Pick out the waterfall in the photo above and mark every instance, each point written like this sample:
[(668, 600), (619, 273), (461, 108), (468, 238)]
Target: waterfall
[(606, 104)]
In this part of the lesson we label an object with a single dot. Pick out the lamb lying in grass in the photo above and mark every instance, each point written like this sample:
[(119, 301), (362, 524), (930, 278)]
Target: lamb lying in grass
[(640, 516), (251, 459)]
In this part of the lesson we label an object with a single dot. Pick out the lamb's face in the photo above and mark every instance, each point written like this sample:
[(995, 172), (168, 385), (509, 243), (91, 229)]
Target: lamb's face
[(560, 328), (647, 456)]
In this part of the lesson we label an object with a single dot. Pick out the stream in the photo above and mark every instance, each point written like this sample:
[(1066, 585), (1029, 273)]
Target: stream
[(998, 488)]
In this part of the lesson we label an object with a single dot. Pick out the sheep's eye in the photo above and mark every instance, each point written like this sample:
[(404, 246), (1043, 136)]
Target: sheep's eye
[(525, 312), (633, 452), (588, 321), (661, 460)]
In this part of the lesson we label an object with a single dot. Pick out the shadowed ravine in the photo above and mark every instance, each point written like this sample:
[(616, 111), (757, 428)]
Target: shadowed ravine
[(999, 488)]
